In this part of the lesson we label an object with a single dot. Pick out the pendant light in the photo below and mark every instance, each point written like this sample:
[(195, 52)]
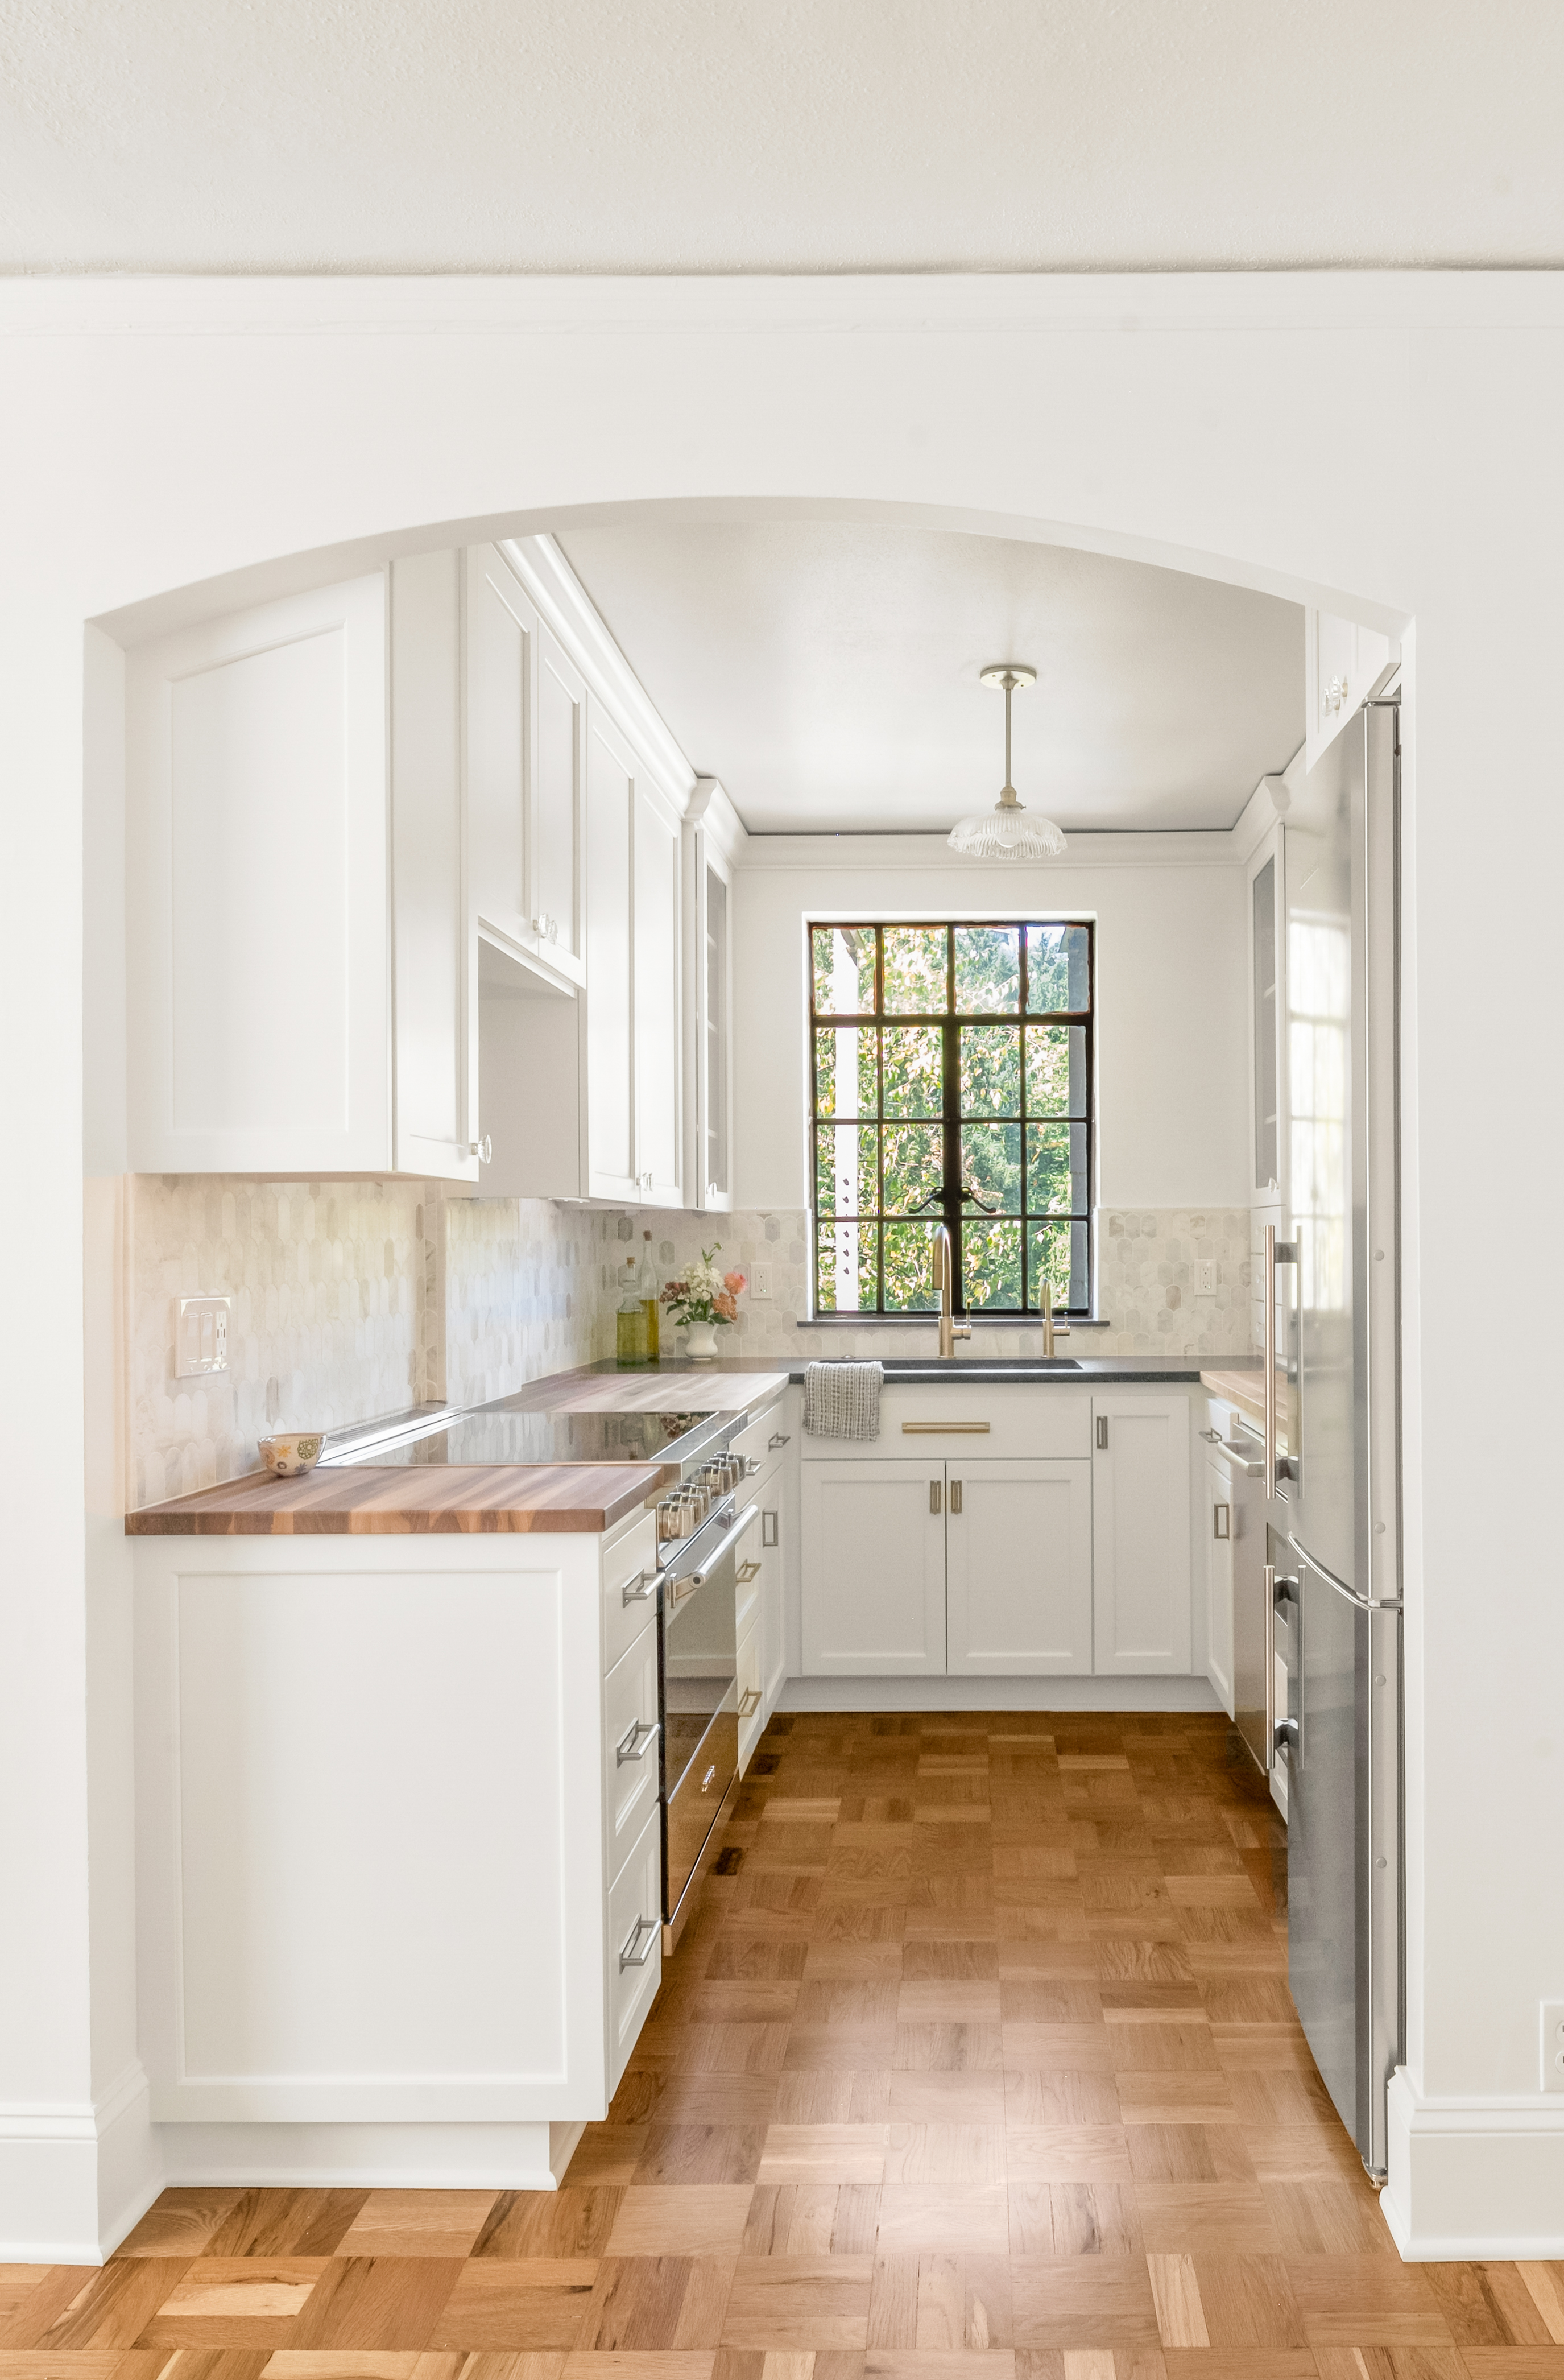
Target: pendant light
[(1008, 830)]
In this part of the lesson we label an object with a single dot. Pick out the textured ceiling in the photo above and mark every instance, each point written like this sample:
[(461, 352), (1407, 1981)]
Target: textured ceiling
[(826, 673), (787, 135)]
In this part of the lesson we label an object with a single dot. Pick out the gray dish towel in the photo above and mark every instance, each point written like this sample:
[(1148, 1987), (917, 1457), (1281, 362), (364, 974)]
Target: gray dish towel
[(841, 1400)]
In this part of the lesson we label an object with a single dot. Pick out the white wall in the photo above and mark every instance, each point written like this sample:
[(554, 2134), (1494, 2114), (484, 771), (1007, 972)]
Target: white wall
[(1385, 445), (1171, 966)]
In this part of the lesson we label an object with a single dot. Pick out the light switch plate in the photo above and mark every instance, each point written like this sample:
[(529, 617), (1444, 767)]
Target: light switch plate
[(200, 1337), (760, 1287), (1553, 2045)]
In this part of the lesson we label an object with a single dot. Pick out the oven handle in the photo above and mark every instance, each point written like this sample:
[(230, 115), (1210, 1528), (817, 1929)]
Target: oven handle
[(723, 1546)]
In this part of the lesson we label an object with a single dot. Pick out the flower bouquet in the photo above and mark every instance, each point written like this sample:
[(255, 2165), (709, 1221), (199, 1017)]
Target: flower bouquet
[(703, 1300)]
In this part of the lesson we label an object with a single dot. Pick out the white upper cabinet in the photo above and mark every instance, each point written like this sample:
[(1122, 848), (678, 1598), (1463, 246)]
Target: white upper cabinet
[(298, 966), (1341, 662), (658, 1003), (609, 1042), (525, 761), (709, 981), (1140, 1534)]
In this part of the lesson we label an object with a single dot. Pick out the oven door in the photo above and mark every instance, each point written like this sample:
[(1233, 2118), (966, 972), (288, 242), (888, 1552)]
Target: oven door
[(698, 1683)]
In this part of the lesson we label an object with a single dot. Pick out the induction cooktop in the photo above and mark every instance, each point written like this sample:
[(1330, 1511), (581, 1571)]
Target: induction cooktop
[(498, 1434)]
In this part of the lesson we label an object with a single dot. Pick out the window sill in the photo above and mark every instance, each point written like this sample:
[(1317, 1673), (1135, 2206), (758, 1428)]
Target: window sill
[(931, 1321)]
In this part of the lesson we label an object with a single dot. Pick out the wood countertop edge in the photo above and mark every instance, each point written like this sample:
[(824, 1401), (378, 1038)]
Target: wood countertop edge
[(230, 1510)]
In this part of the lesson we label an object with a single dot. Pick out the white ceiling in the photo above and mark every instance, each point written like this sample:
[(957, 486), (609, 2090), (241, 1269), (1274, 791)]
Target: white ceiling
[(784, 135), (826, 673)]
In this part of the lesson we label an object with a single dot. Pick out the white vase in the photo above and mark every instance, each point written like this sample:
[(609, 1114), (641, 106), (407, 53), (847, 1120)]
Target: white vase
[(702, 1341)]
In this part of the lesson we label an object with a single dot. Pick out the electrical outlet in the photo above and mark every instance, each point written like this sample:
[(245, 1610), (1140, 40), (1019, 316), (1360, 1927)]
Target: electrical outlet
[(201, 1340), (760, 1287), (1205, 1277), (1553, 2045)]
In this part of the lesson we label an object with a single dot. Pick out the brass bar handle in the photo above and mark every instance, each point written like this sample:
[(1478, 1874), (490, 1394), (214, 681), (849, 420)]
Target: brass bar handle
[(1221, 1521), (749, 1702), (642, 1736), (641, 1588), (779, 1437), (747, 1570), (935, 1495), (956, 1495), (636, 1953), (946, 1428), (1270, 1660)]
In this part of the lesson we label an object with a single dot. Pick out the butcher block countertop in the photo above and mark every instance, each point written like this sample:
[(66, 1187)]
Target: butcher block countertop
[(1245, 1387), (562, 1499)]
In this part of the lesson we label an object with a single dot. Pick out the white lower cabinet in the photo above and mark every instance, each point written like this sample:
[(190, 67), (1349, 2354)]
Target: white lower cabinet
[(635, 1945), (1067, 1554), (1140, 1534), (1218, 1582), (873, 1569), (1018, 1569)]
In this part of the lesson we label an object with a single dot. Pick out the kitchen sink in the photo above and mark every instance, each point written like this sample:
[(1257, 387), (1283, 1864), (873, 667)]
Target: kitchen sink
[(974, 1368)]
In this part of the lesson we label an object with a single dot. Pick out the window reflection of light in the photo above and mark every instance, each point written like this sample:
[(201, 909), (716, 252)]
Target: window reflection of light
[(1318, 961)]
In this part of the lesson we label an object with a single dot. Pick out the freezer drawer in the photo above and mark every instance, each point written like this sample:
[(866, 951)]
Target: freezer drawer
[(1340, 1737)]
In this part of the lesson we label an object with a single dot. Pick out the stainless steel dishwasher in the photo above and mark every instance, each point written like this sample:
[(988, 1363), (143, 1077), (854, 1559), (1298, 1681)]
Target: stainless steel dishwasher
[(697, 1671)]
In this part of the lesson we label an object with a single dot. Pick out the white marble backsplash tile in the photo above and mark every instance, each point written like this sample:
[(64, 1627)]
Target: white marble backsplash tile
[(356, 1299)]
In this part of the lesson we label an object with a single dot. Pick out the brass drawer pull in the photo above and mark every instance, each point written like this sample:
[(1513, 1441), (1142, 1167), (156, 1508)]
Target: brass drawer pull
[(640, 1589), (1222, 1520), (749, 1702), (747, 1570), (956, 1495), (779, 1437), (946, 1428), (936, 1494)]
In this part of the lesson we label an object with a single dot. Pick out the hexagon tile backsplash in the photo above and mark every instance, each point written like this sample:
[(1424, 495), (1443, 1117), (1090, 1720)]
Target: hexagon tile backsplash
[(353, 1299)]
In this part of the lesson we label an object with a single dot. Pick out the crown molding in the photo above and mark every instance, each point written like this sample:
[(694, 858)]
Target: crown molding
[(929, 854), (711, 808)]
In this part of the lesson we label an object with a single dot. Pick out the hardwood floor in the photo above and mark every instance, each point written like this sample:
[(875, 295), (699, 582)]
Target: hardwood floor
[(978, 2065)]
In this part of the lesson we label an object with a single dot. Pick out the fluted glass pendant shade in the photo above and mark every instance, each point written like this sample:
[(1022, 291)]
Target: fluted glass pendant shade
[(1010, 831)]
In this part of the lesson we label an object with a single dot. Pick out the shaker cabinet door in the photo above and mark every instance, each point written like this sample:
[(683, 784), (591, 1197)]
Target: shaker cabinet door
[(1140, 1535), (609, 1042), (556, 837), (1018, 1541), (1221, 1518), (658, 1006), (873, 1569)]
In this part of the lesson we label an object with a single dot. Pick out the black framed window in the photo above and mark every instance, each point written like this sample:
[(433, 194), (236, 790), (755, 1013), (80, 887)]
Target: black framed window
[(951, 1080)]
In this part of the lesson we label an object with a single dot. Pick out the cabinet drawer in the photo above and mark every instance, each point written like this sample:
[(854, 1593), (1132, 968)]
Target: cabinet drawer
[(635, 1945), (751, 1697), (628, 1569), (747, 1577), (970, 1418), (630, 1741), (754, 1442)]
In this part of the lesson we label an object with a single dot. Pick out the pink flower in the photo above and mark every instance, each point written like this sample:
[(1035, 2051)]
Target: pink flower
[(734, 1280), (726, 1305), (672, 1291)]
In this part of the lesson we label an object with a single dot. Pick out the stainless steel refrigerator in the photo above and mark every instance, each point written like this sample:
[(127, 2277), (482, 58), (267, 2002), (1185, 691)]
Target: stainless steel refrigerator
[(1332, 1592)]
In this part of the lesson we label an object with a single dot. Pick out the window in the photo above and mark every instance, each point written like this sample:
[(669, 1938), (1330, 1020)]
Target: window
[(952, 1073)]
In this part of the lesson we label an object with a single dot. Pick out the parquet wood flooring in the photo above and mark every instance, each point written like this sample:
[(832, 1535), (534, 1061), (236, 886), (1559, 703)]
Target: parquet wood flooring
[(977, 2063)]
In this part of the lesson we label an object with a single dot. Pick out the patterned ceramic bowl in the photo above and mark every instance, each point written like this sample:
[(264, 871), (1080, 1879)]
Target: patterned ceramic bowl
[(292, 1452)]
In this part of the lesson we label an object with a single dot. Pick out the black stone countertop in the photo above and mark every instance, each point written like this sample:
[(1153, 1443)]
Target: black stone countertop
[(976, 1371)]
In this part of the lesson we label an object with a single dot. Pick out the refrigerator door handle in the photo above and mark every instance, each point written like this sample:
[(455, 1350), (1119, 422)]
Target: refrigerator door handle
[(1277, 1252)]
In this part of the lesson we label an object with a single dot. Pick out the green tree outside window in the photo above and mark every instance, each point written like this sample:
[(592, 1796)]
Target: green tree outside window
[(951, 1082)]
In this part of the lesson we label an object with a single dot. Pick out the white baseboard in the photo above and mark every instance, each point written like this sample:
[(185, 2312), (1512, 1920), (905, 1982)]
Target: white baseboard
[(1474, 2181), (75, 2177), (998, 1695), (366, 2156)]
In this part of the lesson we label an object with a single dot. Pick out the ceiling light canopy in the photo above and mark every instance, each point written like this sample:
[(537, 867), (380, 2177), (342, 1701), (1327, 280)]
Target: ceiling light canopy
[(1008, 830)]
